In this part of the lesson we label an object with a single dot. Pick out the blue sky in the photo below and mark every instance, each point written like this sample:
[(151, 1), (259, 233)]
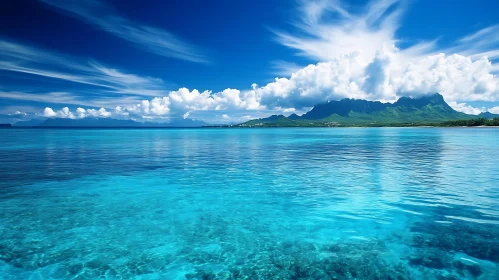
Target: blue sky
[(227, 61)]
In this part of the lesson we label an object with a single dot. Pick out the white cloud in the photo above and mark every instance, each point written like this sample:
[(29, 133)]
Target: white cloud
[(101, 113), (157, 106), (339, 78), (151, 39), (494, 110), (323, 40), (49, 113), (81, 113), (64, 113), (457, 77), (183, 101), (465, 108)]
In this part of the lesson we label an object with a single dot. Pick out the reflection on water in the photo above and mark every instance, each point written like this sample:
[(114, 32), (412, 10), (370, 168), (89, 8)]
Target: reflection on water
[(384, 203)]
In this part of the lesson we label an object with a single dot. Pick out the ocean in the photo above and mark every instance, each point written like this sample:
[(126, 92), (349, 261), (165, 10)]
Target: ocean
[(287, 203)]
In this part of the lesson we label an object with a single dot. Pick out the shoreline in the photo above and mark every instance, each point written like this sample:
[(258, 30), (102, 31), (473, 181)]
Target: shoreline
[(233, 127)]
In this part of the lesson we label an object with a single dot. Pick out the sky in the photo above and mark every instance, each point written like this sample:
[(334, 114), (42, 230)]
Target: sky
[(229, 61)]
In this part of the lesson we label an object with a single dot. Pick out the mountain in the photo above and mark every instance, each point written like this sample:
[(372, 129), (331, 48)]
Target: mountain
[(352, 112), (488, 115), (88, 122), (107, 122), (181, 122), (33, 122), (274, 119), (293, 117), (343, 108)]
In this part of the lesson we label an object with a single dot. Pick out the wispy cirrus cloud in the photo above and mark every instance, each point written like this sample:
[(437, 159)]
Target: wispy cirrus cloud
[(20, 58), (483, 42), (151, 39), (50, 97), (327, 29), (67, 98), (284, 68)]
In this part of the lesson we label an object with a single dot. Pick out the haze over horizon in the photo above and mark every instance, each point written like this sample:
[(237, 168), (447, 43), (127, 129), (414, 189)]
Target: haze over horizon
[(234, 61)]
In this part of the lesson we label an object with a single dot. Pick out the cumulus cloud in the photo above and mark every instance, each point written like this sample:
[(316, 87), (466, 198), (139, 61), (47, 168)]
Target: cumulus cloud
[(455, 76), (48, 112), (80, 113), (494, 110), (183, 101), (101, 113), (342, 77), (465, 108), (64, 113)]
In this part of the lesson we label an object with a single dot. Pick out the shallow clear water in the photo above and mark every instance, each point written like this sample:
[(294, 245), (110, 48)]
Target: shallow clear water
[(370, 203)]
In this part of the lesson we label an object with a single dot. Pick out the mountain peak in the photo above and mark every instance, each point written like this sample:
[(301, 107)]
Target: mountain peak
[(273, 118), (436, 98), (420, 102), (343, 107), (488, 115), (293, 116)]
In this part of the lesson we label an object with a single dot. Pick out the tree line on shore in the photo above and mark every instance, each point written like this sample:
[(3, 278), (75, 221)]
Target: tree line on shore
[(473, 122)]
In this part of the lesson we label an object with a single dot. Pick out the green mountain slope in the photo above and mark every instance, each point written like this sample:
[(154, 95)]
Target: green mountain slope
[(274, 120), (352, 112)]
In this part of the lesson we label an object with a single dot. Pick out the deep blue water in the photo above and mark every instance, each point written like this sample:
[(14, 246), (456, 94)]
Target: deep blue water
[(367, 203)]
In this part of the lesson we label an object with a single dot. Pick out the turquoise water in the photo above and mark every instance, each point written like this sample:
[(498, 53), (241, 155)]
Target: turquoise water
[(370, 203)]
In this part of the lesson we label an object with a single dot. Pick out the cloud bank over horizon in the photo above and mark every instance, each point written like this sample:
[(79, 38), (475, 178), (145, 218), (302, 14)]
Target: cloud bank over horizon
[(357, 56)]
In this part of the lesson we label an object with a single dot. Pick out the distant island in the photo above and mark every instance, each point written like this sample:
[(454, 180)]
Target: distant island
[(106, 122), (429, 110)]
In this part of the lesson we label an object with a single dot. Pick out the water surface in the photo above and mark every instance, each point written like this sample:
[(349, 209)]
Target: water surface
[(294, 203)]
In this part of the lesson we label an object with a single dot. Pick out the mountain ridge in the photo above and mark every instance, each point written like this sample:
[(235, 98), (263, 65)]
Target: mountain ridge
[(430, 108)]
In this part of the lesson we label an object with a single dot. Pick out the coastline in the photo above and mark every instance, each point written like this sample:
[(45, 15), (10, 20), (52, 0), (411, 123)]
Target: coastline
[(228, 127)]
